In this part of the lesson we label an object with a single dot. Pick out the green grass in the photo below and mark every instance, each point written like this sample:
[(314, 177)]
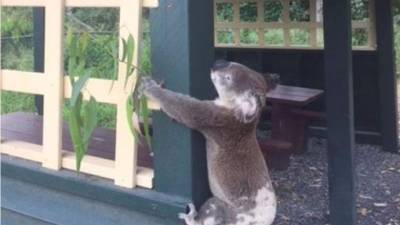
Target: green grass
[(13, 102)]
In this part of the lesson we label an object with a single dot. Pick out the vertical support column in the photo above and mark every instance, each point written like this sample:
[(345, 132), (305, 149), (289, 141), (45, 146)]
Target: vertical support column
[(313, 20), (260, 22), (236, 22), (182, 54), (372, 24), (38, 50), (339, 104), (286, 20), (387, 75), (126, 148), (54, 95)]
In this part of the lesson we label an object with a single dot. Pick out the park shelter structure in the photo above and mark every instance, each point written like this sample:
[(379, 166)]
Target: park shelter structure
[(360, 102)]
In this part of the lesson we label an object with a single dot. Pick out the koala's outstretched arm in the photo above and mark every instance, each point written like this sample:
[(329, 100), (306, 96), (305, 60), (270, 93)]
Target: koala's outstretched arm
[(193, 113)]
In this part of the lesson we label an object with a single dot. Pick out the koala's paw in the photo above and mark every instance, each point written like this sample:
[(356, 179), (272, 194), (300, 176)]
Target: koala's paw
[(190, 216), (147, 84)]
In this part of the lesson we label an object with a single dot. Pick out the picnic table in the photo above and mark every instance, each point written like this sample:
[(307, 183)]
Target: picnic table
[(290, 121)]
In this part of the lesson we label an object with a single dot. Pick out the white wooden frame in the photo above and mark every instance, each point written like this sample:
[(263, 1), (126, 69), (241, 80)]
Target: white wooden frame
[(54, 86), (285, 25)]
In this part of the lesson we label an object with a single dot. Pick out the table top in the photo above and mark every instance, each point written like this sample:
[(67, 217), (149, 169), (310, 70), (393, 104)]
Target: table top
[(292, 95)]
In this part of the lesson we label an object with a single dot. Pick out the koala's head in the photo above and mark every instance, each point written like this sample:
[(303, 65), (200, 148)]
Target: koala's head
[(242, 88)]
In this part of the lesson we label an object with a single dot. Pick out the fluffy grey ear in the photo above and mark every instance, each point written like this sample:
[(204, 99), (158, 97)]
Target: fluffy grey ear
[(272, 79), (247, 107)]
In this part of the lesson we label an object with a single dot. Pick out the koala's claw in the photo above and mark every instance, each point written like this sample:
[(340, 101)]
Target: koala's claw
[(190, 216)]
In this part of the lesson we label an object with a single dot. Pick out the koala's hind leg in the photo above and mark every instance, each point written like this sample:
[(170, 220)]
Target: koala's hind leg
[(212, 212)]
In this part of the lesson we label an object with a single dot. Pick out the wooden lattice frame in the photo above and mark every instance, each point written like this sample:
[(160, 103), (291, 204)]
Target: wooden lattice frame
[(55, 87), (313, 26)]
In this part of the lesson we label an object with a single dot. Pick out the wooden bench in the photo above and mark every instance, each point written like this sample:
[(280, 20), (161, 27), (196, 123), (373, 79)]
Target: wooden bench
[(289, 121)]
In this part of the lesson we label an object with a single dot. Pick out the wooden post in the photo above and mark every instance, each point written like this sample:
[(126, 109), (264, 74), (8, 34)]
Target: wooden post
[(339, 104), (387, 75), (54, 94), (182, 54), (126, 148), (38, 50)]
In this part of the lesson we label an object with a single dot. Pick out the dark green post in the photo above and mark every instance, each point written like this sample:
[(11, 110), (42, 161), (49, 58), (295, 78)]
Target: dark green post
[(387, 75), (339, 104), (38, 50), (182, 54)]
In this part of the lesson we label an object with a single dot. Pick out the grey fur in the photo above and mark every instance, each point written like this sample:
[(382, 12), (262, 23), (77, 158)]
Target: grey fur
[(236, 167)]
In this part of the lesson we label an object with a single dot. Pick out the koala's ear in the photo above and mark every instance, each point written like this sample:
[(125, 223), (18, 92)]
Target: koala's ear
[(247, 107), (272, 79)]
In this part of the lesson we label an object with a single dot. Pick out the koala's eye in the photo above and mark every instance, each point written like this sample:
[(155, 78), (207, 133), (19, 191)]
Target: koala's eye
[(228, 77)]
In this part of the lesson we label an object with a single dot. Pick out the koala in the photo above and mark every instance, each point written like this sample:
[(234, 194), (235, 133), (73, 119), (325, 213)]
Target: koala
[(238, 176)]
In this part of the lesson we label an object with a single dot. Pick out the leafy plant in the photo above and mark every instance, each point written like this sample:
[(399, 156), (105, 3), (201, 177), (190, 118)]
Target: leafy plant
[(136, 103), (82, 117)]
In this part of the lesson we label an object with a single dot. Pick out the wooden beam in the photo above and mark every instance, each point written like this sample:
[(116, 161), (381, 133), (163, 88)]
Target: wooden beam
[(53, 96), (19, 81), (339, 104), (23, 150), (182, 54), (90, 164), (126, 146), (387, 75)]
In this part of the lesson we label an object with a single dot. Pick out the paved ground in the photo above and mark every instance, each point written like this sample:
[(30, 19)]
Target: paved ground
[(302, 189)]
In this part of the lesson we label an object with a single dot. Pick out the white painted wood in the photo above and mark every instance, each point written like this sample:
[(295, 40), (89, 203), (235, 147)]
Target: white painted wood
[(23, 150), (126, 148), (105, 168), (90, 164), (55, 87), (102, 90), (145, 177), (270, 25), (286, 25), (53, 97), (24, 3), (26, 82)]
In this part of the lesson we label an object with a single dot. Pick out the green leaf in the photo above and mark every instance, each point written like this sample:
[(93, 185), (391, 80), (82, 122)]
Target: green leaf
[(124, 49), (69, 38), (145, 113), (76, 89), (89, 120), (129, 115), (71, 70), (76, 139), (130, 52), (77, 109), (83, 43)]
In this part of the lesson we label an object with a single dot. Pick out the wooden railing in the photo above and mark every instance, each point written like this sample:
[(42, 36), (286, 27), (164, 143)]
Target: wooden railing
[(228, 22), (52, 84)]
